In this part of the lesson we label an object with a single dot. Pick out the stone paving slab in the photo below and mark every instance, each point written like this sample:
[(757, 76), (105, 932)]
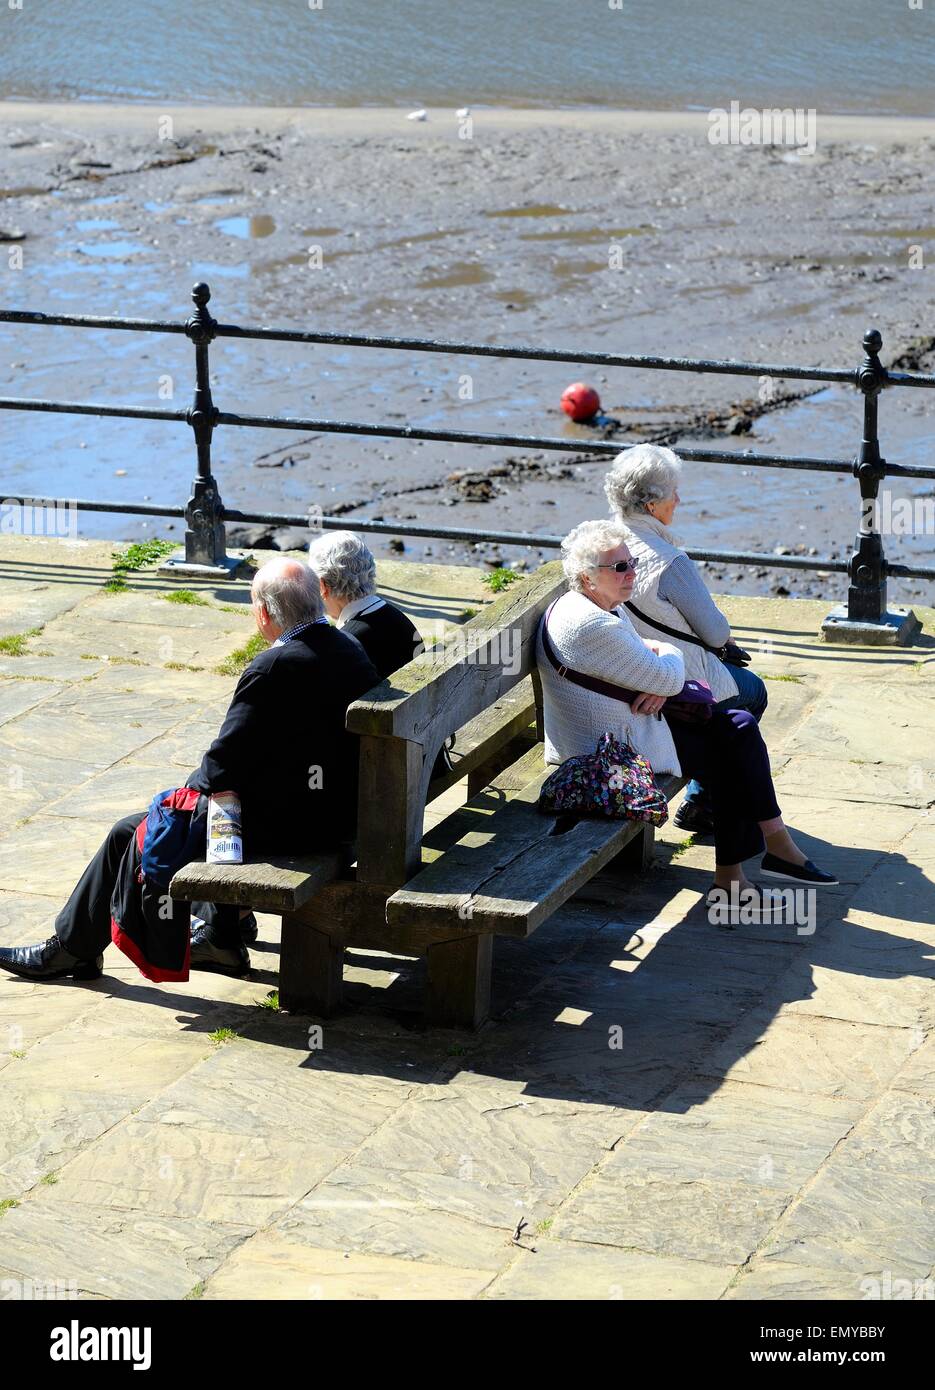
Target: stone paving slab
[(276, 1265), (567, 1269), (115, 1254), (441, 1218), (213, 1175), (658, 1107), (819, 1056), (718, 1220), (861, 1220), (771, 1279)]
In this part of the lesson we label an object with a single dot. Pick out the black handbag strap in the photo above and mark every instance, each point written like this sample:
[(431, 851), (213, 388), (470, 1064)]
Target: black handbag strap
[(671, 631), (594, 683)]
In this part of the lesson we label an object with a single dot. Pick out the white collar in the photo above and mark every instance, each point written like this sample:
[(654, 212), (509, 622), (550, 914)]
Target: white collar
[(368, 604)]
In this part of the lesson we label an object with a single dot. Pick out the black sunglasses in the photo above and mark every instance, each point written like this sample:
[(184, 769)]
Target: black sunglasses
[(621, 566)]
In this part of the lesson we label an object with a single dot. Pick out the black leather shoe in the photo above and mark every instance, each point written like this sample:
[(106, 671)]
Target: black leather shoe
[(694, 818), (808, 873), (249, 931), (223, 960), (48, 961)]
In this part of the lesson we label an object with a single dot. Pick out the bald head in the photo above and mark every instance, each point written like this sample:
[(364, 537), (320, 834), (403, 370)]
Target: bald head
[(288, 592)]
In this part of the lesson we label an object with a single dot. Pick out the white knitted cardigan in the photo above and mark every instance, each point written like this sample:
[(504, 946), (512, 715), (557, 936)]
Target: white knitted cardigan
[(597, 643)]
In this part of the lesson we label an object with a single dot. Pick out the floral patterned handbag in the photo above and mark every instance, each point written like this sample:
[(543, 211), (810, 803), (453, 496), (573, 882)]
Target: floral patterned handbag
[(613, 781)]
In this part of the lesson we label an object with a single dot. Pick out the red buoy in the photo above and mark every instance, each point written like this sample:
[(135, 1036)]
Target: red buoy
[(581, 402)]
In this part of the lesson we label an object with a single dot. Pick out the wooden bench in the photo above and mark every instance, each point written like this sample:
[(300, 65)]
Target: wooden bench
[(494, 867)]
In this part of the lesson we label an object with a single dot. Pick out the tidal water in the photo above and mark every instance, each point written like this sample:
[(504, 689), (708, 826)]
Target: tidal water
[(840, 56)]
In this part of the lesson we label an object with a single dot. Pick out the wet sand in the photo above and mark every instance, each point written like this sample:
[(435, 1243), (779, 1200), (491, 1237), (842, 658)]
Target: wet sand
[(587, 231)]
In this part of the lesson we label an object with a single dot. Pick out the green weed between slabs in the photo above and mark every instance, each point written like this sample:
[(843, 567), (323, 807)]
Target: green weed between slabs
[(135, 557), (196, 1292), (15, 644), (49, 1179), (682, 847), (796, 679), (271, 1002), (240, 659), (499, 579), (223, 1035), (6, 1203), (186, 596)]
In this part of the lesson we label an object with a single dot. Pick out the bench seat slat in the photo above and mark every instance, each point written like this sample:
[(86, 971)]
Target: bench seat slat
[(281, 884), (510, 875)]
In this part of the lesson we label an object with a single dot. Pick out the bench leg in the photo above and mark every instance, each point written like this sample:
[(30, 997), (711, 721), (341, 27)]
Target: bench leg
[(637, 854), (311, 967), (458, 988)]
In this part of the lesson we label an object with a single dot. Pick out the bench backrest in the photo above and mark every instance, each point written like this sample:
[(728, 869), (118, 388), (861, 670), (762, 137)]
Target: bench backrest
[(404, 721)]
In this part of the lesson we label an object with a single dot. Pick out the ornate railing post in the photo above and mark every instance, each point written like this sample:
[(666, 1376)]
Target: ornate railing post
[(205, 544), (866, 594), (866, 617)]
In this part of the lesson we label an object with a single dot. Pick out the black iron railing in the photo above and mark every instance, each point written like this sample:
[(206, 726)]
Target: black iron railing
[(205, 513)]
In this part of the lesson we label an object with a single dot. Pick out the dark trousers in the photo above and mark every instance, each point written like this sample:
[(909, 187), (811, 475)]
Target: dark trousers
[(728, 757), (83, 925)]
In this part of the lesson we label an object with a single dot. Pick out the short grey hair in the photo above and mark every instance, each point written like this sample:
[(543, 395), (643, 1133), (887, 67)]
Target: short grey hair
[(345, 564), (646, 473), (289, 592), (583, 547)]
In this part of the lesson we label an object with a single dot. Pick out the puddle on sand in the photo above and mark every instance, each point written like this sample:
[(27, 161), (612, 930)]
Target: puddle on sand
[(520, 299), (535, 210), (247, 228), (567, 269), (297, 258), (710, 291), (920, 233), (464, 274), (205, 269), (25, 192), (419, 236), (96, 224), (585, 236), (150, 206), (110, 249)]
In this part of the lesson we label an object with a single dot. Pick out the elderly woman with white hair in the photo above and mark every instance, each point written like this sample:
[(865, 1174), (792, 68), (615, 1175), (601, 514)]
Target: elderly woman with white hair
[(670, 598), (590, 634), (347, 575)]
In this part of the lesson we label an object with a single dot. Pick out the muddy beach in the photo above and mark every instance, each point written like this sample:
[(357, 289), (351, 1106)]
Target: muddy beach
[(627, 233)]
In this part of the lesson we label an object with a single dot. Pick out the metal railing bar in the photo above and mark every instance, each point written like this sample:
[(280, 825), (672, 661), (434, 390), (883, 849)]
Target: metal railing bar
[(519, 441), (519, 352), (127, 412), (455, 533)]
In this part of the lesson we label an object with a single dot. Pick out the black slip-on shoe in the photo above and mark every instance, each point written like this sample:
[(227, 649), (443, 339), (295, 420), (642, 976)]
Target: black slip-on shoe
[(49, 960), (694, 818), (249, 931), (223, 960), (807, 874)]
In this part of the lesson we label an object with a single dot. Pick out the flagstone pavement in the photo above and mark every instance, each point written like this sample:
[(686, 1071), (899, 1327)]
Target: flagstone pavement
[(658, 1107)]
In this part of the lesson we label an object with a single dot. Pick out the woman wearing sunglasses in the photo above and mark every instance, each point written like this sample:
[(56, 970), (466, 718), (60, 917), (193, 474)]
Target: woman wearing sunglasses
[(590, 634), (670, 594)]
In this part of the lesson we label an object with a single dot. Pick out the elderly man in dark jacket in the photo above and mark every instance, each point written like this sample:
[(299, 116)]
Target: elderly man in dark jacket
[(283, 748)]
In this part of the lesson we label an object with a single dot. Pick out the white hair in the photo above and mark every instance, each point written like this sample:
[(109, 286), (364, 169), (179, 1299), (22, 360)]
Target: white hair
[(646, 473), (289, 592), (583, 547), (345, 564)]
